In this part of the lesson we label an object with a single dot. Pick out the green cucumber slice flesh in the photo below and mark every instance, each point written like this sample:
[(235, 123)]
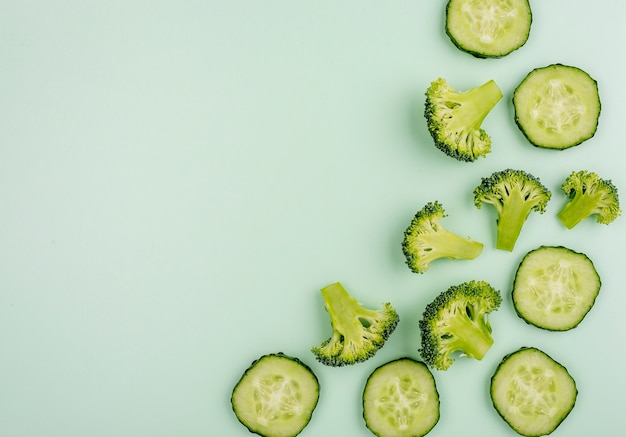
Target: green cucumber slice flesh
[(532, 392), (276, 396), (401, 399), (555, 287), (557, 107), (488, 28)]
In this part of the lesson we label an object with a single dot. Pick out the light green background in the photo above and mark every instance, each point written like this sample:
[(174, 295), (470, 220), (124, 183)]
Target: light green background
[(180, 178)]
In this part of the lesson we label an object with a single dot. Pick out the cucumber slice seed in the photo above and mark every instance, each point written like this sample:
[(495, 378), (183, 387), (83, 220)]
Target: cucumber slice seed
[(276, 396), (488, 28), (557, 107), (555, 287), (532, 392), (401, 399)]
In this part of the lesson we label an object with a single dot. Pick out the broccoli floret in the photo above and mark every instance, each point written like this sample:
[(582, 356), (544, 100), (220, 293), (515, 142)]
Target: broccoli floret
[(357, 332), (589, 194), (454, 118), (514, 194), (425, 240), (456, 321)]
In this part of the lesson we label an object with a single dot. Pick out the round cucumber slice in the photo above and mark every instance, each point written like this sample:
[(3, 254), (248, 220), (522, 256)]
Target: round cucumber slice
[(276, 396), (532, 392), (557, 107), (401, 399), (555, 287), (488, 28)]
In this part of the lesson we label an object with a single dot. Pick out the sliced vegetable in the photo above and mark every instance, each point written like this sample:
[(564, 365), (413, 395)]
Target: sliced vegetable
[(488, 28), (401, 399), (532, 392), (557, 107), (555, 287), (276, 396)]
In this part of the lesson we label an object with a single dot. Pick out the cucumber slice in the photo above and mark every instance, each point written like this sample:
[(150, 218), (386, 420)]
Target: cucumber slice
[(276, 396), (401, 399), (557, 107), (532, 392), (488, 28), (555, 287)]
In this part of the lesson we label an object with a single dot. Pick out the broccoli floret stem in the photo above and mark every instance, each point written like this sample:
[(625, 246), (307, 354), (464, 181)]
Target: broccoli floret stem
[(342, 307), (475, 105), (470, 336), (511, 217), (447, 244), (579, 208)]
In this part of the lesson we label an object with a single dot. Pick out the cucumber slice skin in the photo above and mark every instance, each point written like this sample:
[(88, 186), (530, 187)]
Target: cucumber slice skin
[(548, 257), (398, 383), (458, 27), (271, 370), (571, 78), (503, 388)]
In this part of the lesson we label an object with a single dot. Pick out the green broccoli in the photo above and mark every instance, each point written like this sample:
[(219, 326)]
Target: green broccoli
[(425, 240), (456, 321), (357, 332), (589, 194), (514, 194), (454, 118)]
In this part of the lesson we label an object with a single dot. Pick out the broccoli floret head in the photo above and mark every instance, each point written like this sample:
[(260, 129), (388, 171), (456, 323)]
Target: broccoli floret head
[(426, 240), (357, 332), (514, 194), (589, 195), (456, 321), (454, 118)]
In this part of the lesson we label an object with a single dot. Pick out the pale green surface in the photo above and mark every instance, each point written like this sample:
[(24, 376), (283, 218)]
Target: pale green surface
[(179, 179)]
